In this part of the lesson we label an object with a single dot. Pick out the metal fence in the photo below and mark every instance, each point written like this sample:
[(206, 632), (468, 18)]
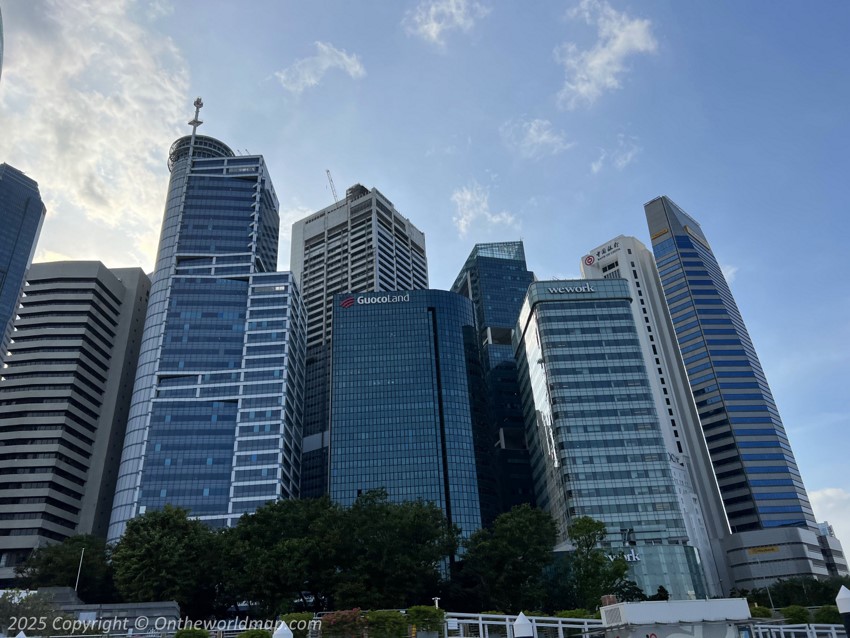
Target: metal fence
[(767, 630)]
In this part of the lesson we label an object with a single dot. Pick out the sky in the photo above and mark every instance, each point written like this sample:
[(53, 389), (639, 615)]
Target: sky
[(549, 121)]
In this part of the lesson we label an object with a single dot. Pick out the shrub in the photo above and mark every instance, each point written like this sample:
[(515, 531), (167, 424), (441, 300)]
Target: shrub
[(493, 613), (796, 615), (575, 613), (535, 612), (760, 612), (191, 633), (827, 615), (386, 624), (255, 633), (426, 618), (348, 623), (298, 622)]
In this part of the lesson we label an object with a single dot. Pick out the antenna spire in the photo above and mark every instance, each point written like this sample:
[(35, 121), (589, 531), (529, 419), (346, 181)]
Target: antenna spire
[(195, 123)]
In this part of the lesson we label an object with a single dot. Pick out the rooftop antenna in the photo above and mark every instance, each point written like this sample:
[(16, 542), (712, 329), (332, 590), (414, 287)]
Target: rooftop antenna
[(331, 182), (195, 123)]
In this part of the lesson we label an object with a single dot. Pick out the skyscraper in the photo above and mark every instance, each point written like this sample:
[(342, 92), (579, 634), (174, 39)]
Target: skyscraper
[(495, 278), (359, 244), (22, 213), (596, 440), (405, 407), (699, 497), (215, 423), (774, 529), (64, 398)]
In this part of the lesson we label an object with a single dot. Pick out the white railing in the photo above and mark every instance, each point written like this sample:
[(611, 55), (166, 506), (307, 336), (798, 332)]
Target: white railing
[(767, 630), (495, 626)]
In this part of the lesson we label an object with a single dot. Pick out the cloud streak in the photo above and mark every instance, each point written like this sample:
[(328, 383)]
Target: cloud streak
[(472, 207), (625, 153), (432, 18), (594, 71), (308, 72), (91, 100), (533, 139)]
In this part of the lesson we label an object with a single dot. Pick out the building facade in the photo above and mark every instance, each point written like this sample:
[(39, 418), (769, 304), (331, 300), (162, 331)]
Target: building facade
[(405, 400), (359, 244), (763, 493), (215, 423), (596, 440), (690, 464), (64, 399), (495, 278), (22, 213)]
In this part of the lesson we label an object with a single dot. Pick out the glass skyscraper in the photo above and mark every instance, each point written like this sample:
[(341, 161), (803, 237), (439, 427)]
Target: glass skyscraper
[(752, 458), (358, 244), (405, 400), (22, 213), (495, 278), (215, 423), (595, 436)]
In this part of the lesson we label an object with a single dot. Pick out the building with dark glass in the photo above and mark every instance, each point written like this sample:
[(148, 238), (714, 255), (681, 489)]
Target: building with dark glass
[(215, 423), (763, 492), (64, 397), (495, 278), (22, 213), (358, 244), (406, 400), (595, 437)]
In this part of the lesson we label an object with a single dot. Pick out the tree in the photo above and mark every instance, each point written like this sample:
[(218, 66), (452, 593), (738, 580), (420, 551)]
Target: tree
[(24, 611), (287, 551), (827, 615), (57, 566), (796, 615), (595, 573), (507, 560), (392, 555), (164, 555), (660, 594), (628, 591)]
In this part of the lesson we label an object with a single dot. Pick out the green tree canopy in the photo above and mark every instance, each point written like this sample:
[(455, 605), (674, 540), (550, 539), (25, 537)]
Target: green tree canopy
[(507, 560), (594, 572), (57, 566), (165, 555)]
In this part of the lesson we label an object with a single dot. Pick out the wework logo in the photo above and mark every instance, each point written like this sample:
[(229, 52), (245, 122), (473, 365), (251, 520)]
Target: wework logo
[(566, 289)]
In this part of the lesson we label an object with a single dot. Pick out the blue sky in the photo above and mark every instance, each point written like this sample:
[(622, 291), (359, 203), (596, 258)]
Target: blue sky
[(482, 121)]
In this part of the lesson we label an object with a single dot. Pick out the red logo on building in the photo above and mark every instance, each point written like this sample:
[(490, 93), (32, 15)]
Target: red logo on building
[(589, 260), (347, 302)]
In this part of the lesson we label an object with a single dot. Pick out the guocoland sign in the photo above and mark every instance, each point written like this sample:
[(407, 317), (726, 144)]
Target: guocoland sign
[(373, 299)]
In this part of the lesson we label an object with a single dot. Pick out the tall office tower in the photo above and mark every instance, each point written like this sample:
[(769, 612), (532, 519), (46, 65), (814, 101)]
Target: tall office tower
[(405, 407), (833, 554), (596, 440), (215, 423), (699, 497), (64, 398), (22, 213), (495, 277), (774, 530), (360, 244)]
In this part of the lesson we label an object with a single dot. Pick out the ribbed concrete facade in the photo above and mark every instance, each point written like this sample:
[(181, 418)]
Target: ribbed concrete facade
[(64, 398)]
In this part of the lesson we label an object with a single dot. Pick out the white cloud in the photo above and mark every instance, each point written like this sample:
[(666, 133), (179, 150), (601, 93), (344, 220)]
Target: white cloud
[(308, 72), (533, 139), (729, 271), (594, 71), (832, 504), (432, 17), (90, 103), (626, 151), (472, 206)]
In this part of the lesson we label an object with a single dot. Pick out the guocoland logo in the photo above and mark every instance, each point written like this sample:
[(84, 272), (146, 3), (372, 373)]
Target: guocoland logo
[(373, 299)]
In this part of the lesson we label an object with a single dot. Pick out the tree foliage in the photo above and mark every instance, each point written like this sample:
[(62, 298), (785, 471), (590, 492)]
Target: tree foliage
[(594, 573), (164, 555), (796, 615), (806, 591), (17, 604), (506, 561), (57, 566)]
